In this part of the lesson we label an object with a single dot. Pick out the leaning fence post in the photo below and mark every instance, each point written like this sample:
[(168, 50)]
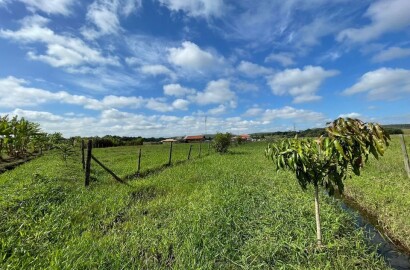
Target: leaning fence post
[(189, 153), (88, 163), (170, 154), (139, 162), (82, 153), (406, 157)]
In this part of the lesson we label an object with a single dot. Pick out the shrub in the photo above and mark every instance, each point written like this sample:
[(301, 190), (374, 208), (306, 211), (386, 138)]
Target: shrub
[(222, 142)]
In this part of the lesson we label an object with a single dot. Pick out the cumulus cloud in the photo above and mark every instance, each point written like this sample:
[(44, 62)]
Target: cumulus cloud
[(350, 115), (196, 8), (382, 84), (391, 54), (190, 56), (253, 70), (385, 16), (216, 92), (155, 70), (62, 50), (302, 84), (253, 112), (297, 115), (217, 110), (15, 93), (177, 90), (285, 59), (180, 104), (62, 7)]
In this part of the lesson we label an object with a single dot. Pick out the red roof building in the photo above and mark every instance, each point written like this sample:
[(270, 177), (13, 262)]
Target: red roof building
[(195, 138)]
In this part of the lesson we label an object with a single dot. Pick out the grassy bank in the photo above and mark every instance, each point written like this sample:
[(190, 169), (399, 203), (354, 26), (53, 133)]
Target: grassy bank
[(383, 189), (217, 212)]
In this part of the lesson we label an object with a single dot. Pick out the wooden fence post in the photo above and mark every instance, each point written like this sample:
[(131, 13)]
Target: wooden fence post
[(189, 153), (139, 162), (170, 155), (88, 163), (107, 170), (82, 154), (200, 148), (405, 155), (209, 147)]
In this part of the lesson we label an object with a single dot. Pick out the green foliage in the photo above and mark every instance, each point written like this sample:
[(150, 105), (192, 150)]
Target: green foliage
[(221, 142), (66, 151), (17, 136), (198, 215), (328, 160)]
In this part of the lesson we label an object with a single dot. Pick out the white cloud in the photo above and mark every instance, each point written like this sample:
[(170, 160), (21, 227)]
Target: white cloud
[(105, 16), (4, 3), (196, 8), (285, 59), (62, 50), (216, 92), (190, 56), (217, 110), (350, 115), (297, 115), (391, 54), (147, 50), (253, 70), (177, 90), (302, 84), (15, 93), (386, 16), (253, 112), (180, 104), (62, 7), (159, 105), (382, 84), (156, 70), (245, 86)]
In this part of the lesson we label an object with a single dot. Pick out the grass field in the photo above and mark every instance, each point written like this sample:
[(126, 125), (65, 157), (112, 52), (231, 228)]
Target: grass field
[(383, 189), (228, 211)]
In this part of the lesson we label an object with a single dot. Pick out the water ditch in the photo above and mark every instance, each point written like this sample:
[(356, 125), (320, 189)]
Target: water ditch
[(393, 253)]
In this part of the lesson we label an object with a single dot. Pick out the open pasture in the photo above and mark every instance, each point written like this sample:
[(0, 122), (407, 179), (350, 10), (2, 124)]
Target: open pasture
[(229, 211)]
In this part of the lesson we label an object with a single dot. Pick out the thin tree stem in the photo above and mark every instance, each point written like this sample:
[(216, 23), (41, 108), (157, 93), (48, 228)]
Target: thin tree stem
[(317, 212)]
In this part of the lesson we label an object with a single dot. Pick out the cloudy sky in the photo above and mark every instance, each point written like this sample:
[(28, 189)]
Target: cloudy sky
[(160, 67)]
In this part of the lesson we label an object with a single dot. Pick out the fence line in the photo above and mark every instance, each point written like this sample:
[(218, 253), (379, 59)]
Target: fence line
[(90, 156)]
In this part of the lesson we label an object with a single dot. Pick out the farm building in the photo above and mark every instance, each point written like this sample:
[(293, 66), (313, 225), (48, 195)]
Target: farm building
[(195, 138), (244, 137)]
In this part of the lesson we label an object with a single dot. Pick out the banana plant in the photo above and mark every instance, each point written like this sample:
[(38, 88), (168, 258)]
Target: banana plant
[(327, 161), (17, 135)]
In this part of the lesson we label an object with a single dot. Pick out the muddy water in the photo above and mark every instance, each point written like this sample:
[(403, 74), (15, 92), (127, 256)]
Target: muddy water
[(394, 255)]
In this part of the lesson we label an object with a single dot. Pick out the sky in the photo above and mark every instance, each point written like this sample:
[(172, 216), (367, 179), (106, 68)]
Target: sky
[(184, 67)]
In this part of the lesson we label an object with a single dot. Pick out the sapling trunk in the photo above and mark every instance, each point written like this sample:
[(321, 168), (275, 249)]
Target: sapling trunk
[(317, 212)]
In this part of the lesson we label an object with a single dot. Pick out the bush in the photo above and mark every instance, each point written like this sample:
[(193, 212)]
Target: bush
[(222, 142)]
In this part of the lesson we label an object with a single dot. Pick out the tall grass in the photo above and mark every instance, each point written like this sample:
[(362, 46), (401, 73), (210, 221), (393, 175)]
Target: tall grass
[(384, 190), (219, 212)]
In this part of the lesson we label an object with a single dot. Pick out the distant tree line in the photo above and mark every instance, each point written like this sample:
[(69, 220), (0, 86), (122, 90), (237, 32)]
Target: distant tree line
[(315, 132)]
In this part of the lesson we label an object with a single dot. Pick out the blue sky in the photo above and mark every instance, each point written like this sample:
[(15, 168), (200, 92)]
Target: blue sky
[(160, 67)]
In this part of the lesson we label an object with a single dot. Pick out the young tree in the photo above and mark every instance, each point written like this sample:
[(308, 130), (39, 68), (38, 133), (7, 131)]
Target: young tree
[(327, 161), (222, 142)]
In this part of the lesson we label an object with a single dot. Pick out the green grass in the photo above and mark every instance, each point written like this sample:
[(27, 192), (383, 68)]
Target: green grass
[(384, 190), (123, 160), (219, 212)]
